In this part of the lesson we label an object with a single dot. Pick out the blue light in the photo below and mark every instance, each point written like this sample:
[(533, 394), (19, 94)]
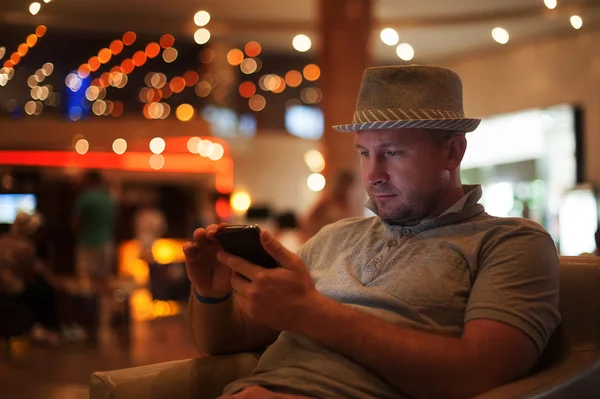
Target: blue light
[(77, 106), (305, 122)]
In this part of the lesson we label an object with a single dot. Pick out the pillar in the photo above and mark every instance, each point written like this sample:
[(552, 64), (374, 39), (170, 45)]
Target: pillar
[(345, 29)]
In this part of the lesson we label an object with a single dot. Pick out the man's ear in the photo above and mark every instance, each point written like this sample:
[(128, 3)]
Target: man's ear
[(456, 147)]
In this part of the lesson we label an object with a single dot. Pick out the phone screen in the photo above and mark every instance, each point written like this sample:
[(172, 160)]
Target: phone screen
[(244, 241)]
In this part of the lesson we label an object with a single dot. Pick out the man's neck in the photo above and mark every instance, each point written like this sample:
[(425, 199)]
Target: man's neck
[(448, 198)]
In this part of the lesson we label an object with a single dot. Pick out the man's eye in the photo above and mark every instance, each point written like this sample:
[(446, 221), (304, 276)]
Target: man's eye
[(392, 153), (364, 153)]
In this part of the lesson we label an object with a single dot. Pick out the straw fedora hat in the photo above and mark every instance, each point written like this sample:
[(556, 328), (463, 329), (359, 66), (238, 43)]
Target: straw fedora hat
[(397, 97)]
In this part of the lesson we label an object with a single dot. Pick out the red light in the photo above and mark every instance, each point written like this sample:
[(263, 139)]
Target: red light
[(223, 209)]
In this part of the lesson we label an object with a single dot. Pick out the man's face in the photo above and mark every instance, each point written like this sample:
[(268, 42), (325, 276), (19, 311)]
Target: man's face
[(402, 171)]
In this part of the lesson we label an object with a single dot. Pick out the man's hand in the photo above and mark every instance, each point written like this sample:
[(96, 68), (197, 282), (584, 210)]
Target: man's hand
[(209, 276), (281, 298)]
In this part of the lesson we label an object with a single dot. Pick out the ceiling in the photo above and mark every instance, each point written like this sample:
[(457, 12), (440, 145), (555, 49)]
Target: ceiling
[(436, 29)]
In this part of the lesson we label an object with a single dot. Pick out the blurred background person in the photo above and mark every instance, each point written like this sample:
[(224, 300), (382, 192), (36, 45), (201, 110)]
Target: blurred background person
[(207, 213), (333, 206), (150, 224), (94, 226), (288, 231), (25, 280)]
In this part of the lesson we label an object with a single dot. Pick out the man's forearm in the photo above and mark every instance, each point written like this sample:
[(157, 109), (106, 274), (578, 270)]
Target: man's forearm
[(418, 364), (222, 328)]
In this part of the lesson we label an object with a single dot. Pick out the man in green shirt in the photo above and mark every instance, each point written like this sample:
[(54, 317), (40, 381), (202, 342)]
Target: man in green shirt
[(94, 224)]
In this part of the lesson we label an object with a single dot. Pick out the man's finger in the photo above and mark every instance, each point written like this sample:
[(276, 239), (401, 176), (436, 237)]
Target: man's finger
[(238, 264), (276, 249), (240, 284), (213, 229), (199, 234), (189, 249)]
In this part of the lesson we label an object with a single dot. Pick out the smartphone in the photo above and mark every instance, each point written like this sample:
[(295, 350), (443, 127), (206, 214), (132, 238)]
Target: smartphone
[(244, 241)]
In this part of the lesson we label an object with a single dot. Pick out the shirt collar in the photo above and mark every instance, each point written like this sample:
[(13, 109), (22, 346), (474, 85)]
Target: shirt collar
[(470, 193)]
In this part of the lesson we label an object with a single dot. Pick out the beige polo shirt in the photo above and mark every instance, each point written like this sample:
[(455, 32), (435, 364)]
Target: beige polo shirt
[(435, 276)]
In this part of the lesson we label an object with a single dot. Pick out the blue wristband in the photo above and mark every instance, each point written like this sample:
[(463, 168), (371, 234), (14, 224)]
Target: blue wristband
[(210, 301)]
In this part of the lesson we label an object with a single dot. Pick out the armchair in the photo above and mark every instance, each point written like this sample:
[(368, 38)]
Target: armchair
[(569, 368)]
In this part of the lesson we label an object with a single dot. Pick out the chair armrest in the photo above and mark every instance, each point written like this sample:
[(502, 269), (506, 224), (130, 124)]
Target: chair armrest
[(575, 377), (199, 378)]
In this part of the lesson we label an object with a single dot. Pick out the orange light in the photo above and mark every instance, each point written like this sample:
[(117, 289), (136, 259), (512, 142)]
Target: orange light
[(183, 162), (166, 91), (22, 49), (8, 64), (95, 82), (117, 109), (40, 31), (94, 63), (129, 38), (177, 84), (83, 71), (312, 72), (155, 95), (116, 68), (15, 58), (191, 78), (31, 40), (104, 55), (247, 89), (252, 49), (139, 58), (127, 65), (223, 209), (185, 112), (293, 78), (116, 47), (280, 85), (146, 111), (167, 41), (235, 57), (104, 79), (133, 161), (152, 49), (164, 252)]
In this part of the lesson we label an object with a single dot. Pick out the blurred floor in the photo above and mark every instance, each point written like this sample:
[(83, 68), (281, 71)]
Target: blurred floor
[(63, 372)]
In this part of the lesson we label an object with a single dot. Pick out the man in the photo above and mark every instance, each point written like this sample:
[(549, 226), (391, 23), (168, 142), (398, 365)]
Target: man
[(430, 298), (94, 224), (25, 280), (150, 224)]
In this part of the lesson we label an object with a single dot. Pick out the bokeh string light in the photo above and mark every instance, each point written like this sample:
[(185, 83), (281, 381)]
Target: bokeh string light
[(34, 8), (201, 19), (106, 54), (118, 78), (7, 71), (157, 88), (301, 43), (41, 94), (311, 72)]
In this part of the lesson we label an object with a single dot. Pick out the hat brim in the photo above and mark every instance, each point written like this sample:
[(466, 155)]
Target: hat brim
[(458, 125)]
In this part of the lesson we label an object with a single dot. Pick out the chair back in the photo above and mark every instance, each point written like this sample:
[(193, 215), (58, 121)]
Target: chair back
[(579, 307)]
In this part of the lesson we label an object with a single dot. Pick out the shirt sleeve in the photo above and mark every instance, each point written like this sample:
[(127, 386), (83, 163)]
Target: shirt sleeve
[(517, 283), (303, 253)]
